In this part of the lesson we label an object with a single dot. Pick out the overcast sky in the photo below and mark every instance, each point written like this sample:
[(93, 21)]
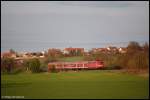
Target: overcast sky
[(38, 25)]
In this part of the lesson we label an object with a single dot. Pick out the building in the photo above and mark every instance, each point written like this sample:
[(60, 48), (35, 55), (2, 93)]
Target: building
[(103, 50), (122, 50), (8, 54), (54, 52), (74, 51)]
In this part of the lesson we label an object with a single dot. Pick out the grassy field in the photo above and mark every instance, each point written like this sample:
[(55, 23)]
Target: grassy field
[(84, 84), (71, 59)]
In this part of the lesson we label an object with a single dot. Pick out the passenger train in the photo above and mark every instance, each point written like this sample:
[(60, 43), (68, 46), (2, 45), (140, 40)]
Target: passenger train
[(97, 64)]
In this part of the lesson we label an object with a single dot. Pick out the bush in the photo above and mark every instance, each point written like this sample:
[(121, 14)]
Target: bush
[(34, 65), (26, 64), (43, 67), (138, 61), (10, 66), (7, 65)]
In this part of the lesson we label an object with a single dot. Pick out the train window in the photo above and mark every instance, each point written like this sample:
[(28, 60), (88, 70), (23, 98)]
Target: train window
[(86, 65), (65, 65), (79, 65), (90, 62), (98, 62), (59, 65), (72, 65)]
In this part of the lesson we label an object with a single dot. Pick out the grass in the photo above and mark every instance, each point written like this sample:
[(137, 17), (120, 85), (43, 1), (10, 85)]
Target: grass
[(95, 84), (72, 59)]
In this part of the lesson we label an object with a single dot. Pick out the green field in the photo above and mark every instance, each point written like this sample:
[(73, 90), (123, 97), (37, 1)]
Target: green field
[(84, 84), (72, 59)]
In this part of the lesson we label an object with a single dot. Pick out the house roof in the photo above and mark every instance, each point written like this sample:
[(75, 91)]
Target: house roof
[(74, 48)]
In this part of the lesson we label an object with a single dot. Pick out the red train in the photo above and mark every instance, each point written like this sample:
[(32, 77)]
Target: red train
[(98, 64)]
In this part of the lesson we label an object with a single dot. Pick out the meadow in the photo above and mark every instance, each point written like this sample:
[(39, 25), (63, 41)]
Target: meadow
[(90, 84), (71, 59)]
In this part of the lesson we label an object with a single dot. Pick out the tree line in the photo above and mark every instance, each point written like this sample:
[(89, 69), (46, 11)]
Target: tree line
[(135, 59)]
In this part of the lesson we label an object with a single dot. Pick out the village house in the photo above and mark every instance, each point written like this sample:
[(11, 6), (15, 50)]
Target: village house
[(8, 54), (18, 60), (73, 51), (54, 52), (26, 55), (86, 52), (122, 50), (112, 49), (103, 50)]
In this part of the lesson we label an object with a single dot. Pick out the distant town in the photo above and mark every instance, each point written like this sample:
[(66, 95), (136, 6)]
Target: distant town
[(108, 57), (20, 57)]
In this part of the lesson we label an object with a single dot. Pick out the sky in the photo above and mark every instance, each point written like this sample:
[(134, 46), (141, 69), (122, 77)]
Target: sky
[(39, 25)]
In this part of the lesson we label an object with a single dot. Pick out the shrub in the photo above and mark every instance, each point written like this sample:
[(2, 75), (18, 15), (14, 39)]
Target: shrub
[(43, 67), (138, 61), (7, 65), (34, 65), (26, 64)]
